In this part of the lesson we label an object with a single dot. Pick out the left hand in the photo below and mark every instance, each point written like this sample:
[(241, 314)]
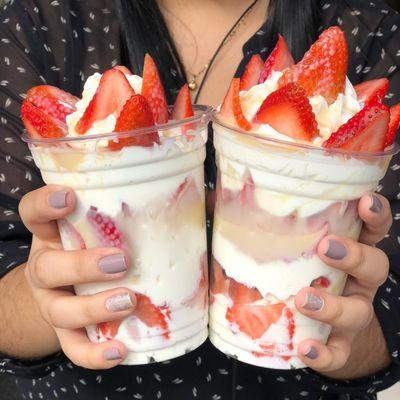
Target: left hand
[(352, 312)]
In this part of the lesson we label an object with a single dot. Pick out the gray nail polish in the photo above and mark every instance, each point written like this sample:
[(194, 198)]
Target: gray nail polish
[(313, 302), (119, 302), (377, 205), (336, 250), (58, 199), (312, 354), (112, 264), (112, 354)]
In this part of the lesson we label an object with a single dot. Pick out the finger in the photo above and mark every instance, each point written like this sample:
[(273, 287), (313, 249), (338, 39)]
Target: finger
[(40, 209), (56, 268), (329, 357), (82, 352), (351, 313), (375, 211), (67, 311), (369, 265)]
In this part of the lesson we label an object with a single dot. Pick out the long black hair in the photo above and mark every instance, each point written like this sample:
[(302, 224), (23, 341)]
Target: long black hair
[(143, 30)]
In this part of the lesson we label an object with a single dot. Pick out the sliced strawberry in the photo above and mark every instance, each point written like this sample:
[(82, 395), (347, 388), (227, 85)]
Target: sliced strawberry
[(105, 228), (231, 109), (123, 69), (219, 281), (241, 294), (52, 100), (183, 106), (279, 59), (394, 125), (372, 90), (254, 320), (72, 234), (148, 313), (251, 72), (323, 68), (112, 93), (39, 124), (108, 329), (135, 114), (153, 90), (321, 283), (289, 111), (366, 131)]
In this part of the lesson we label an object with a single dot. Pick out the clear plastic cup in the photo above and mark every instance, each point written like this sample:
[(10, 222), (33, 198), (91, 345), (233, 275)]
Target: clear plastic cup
[(275, 201), (148, 201)]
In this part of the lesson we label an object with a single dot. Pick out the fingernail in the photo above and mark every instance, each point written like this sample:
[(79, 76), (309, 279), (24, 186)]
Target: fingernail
[(58, 199), (336, 250), (112, 354), (377, 205), (313, 302), (119, 302), (112, 264), (312, 353)]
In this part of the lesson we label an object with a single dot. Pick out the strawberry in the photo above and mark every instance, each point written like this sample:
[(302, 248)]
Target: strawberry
[(289, 111), (183, 106), (108, 329), (247, 192), (369, 91), (219, 281), (254, 320), (105, 228), (279, 59), (148, 313), (231, 109), (112, 93), (123, 69), (135, 114), (323, 68), (71, 234), (321, 283), (251, 72), (39, 124), (240, 293), (153, 91), (365, 131), (53, 101), (394, 124)]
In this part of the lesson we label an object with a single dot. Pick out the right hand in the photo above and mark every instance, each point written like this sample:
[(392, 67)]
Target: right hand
[(51, 272)]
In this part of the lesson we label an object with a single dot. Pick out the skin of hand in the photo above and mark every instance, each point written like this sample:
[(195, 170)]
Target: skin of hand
[(356, 346), (51, 272)]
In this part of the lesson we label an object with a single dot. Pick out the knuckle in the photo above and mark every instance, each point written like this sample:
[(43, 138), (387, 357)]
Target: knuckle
[(89, 310), (53, 314), (38, 269), (357, 257), (383, 267)]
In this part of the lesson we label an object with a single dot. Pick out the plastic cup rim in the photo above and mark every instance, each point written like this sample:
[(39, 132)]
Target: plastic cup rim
[(394, 149), (202, 114)]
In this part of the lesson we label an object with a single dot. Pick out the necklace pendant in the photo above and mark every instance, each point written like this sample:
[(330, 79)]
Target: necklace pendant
[(192, 84)]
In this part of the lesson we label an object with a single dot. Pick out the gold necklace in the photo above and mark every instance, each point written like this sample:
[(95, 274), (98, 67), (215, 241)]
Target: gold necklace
[(193, 85)]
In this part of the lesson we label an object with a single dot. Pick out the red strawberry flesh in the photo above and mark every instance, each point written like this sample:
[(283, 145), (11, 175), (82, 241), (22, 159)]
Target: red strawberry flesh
[(251, 72), (279, 59), (289, 111), (323, 68), (183, 106), (394, 125), (372, 90), (148, 313)]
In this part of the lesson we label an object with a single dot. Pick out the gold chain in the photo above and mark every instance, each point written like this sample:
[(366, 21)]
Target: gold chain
[(193, 81)]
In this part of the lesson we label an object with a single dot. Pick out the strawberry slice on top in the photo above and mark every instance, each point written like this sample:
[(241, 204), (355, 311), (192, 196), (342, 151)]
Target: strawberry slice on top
[(289, 111), (323, 68), (394, 125), (374, 89), (135, 114), (153, 91), (279, 59), (183, 106), (39, 124), (52, 100), (111, 95), (231, 109), (366, 131), (251, 72)]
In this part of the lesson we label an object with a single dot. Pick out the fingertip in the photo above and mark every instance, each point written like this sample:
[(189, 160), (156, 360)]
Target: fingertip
[(372, 206), (114, 353)]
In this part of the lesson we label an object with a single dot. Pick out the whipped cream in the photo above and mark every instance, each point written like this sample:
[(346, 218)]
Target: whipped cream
[(329, 117)]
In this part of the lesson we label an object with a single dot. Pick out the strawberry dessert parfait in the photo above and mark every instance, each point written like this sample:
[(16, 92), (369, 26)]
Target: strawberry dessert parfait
[(136, 167), (297, 146)]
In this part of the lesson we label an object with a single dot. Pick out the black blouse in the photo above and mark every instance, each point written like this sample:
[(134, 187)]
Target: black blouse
[(61, 42)]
